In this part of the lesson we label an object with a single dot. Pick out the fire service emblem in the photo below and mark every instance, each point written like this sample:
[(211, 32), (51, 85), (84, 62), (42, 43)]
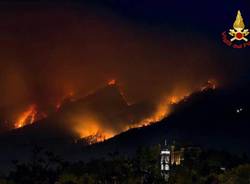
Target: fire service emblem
[(238, 36)]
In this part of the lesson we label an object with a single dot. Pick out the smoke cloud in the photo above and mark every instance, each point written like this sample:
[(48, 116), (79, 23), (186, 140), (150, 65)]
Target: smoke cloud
[(48, 53)]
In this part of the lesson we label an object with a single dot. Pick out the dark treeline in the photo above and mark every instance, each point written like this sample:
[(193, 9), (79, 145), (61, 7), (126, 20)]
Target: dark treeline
[(204, 167)]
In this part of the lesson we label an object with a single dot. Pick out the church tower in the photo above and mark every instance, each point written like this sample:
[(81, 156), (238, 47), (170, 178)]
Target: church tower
[(165, 161)]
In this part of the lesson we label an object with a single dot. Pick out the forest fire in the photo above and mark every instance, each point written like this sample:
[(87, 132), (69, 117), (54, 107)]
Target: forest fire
[(27, 117), (89, 129), (162, 111), (98, 137), (103, 55), (174, 99), (93, 126)]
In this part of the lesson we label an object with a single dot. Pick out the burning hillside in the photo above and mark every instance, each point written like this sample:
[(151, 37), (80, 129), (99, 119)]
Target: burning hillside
[(69, 53), (29, 116), (163, 108), (101, 114)]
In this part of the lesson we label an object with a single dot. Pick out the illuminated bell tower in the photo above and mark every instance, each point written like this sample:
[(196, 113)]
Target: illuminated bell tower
[(165, 161)]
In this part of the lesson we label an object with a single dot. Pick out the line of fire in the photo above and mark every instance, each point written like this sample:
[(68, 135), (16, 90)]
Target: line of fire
[(89, 129)]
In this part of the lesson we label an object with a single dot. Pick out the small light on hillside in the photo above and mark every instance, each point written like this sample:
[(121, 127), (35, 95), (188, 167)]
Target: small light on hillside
[(239, 110)]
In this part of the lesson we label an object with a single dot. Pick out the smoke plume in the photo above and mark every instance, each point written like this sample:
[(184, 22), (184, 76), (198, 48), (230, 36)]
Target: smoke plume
[(50, 53)]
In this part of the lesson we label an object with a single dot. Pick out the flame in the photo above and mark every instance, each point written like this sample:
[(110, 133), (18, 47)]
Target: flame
[(26, 117), (98, 137), (164, 107), (89, 128), (162, 111), (174, 99)]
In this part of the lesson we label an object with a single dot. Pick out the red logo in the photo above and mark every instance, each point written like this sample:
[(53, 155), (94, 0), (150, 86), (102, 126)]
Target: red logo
[(237, 37)]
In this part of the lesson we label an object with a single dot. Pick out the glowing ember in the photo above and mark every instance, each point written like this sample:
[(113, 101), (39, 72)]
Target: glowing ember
[(112, 82), (68, 97), (210, 84), (98, 137), (27, 117)]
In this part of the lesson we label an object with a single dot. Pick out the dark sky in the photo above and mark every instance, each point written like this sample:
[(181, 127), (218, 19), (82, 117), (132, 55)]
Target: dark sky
[(151, 47)]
